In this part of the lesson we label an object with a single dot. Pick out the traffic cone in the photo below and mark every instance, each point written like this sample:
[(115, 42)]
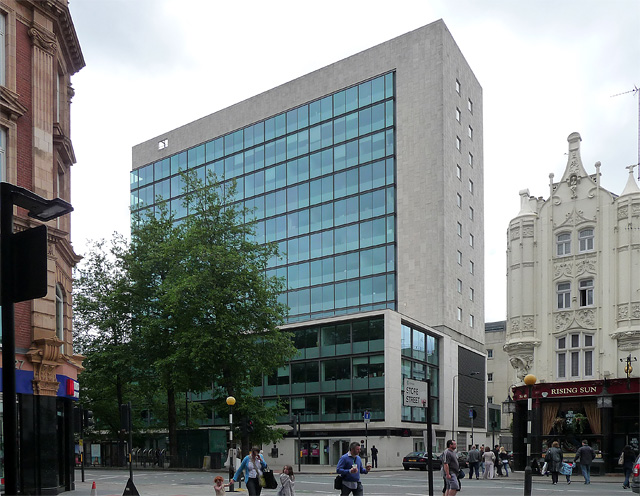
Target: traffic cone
[(94, 491)]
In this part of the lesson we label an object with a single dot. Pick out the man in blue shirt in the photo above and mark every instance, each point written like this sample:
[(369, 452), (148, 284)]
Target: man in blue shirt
[(350, 468)]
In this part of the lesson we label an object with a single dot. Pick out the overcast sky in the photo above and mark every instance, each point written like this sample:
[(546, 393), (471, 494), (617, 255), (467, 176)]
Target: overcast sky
[(547, 68)]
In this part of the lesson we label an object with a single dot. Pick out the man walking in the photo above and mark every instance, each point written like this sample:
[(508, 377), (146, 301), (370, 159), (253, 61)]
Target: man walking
[(497, 464), (374, 456), (350, 467), (474, 462), (585, 456), (451, 468)]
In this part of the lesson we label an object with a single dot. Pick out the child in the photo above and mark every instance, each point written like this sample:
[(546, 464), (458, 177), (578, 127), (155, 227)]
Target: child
[(219, 485), (287, 479), (566, 470)]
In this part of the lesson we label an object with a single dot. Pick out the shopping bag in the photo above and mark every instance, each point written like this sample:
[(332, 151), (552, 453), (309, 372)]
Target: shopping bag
[(544, 468), (337, 483), (269, 479)]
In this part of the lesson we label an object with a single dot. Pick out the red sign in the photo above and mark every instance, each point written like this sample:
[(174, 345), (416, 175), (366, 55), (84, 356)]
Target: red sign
[(576, 389)]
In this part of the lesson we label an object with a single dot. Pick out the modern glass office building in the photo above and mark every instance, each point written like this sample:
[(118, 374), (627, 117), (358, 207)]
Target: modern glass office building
[(368, 173)]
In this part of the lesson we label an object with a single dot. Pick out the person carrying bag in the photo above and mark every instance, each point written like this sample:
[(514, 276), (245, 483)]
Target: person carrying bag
[(254, 467)]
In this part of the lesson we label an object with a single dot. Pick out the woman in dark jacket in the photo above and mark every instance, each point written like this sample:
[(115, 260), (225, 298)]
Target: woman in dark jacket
[(554, 461), (629, 457)]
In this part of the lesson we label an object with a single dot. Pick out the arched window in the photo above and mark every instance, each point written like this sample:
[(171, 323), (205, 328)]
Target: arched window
[(563, 244), (59, 313)]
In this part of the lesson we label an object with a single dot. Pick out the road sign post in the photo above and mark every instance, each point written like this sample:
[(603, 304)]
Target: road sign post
[(416, 394)]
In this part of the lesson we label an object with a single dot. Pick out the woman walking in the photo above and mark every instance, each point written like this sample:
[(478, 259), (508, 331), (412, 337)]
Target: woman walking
[(554, 461), (253, 465), (287, 481), (628, 457), (489, 459), (504, 460)]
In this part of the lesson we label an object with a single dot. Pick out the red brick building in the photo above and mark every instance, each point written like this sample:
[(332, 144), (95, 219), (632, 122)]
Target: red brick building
[(39, 52)]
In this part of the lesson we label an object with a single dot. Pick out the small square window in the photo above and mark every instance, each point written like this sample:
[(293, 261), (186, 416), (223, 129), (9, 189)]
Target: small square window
[(458, 172), (471, 159), (490, 399), (470, 105), (459, 200), (457, 86), (458, 143), (490, 377), (457, 114), (489, 353), (471, 213), (459, 229), (472, 320), (459, 286), (470, 132), (471, 240), (459, 257), (471, 294), (459, 315), (470, 186), (471, 267)]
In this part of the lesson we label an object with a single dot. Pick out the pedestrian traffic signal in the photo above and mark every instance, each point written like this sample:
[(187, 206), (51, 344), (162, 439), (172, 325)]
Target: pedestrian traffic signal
[(88, 418), (294, 423), (250, 426), (125, 416), (77, 418)]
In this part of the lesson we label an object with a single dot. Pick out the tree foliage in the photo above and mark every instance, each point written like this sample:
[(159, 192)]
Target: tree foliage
[(192, 305)]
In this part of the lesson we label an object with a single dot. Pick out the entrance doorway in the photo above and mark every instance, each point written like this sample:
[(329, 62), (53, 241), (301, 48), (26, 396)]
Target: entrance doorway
[(338, 448)]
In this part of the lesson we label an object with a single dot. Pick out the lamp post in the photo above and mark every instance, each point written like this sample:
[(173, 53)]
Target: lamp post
[(628, 368), (605, 403), (453, 402), (231, 401), (529, 380), (23, 276)]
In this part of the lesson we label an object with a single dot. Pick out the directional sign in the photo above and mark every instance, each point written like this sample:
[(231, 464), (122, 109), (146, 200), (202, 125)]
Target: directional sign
[(415, 393), (367, 416)]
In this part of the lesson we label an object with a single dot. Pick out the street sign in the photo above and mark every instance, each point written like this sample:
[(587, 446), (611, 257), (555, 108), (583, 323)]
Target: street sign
[(367, 416), (415, 393)]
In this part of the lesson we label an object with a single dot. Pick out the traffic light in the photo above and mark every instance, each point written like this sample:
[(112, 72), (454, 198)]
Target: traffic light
[(474, 413), (77, 418), (88, 418), (250, 426), (294, 423), (125, 415)]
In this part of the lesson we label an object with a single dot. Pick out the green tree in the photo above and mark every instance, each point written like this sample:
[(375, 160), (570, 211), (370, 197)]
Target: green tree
[(204, 310)]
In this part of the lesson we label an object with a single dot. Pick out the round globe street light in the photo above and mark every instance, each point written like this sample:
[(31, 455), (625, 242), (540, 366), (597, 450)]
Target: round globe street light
[(529, 380), (231, 401)]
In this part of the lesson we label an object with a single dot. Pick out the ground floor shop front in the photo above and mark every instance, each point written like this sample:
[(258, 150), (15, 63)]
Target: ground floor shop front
[(602, 412)]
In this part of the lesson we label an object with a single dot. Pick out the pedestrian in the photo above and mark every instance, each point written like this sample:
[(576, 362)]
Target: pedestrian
[(350, 467), (554, 461), (219, 485), (628, 456), (489, 459), (474, 461), (482, 458), (374, 456), (585, 456), (287, 482), (253, 465), (451, 468), (504, 460), (566, 470), (497, 467)]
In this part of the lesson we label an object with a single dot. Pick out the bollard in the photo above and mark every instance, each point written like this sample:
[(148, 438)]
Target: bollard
[(527, 480)]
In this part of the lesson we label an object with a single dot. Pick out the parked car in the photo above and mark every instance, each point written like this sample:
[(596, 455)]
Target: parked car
[(635, 476), (418, 459)]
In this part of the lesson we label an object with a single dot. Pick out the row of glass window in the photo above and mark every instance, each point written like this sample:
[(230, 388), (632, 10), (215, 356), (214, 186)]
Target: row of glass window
[(362, 151), (341, 268), (350, 294), (417, 344), (335, 407), (366, 94), (585, 242), (585, 294), (571, 351)]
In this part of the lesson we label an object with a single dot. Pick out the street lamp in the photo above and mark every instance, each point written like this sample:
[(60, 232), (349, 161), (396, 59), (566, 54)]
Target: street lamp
[(529, 380), (23, 276), (453, 402), (231, 401), (628, 368)]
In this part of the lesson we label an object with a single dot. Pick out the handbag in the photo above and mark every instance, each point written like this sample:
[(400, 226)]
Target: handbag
[(621, 459), (269, 479), (337, 483), (544, 468), (461, 474), (262, 481)]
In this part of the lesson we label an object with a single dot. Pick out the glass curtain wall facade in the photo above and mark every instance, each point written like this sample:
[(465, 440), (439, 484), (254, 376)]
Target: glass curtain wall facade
[(319, 180)]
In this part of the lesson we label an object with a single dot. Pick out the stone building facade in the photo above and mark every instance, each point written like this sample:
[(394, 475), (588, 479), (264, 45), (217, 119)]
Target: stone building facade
[(573, 308), (38, 55)]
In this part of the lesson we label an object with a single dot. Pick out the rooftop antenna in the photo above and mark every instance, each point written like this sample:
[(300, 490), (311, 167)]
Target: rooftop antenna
[(635, 91)]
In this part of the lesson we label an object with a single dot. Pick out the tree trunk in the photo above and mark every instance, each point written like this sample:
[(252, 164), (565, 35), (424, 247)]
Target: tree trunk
[(173, 432), (121, 436)]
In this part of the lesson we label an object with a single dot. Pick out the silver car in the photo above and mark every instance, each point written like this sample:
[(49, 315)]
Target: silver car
[(635, 476)]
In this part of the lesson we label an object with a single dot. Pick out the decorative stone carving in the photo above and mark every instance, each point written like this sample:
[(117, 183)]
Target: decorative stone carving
[(515, 233), (586, 265), (45, 356), (43, 40), (515, 324), (522, 364), (563, 320), (562, 269), (573, 179), (527, 231), (635, 209), (628, 340), (635, 311), (586, 318), (528, 322), (623, 312), (623, 212)]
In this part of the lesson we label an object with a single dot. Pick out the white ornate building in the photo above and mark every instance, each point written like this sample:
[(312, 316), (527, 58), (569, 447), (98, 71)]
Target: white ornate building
[(573, 306)]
